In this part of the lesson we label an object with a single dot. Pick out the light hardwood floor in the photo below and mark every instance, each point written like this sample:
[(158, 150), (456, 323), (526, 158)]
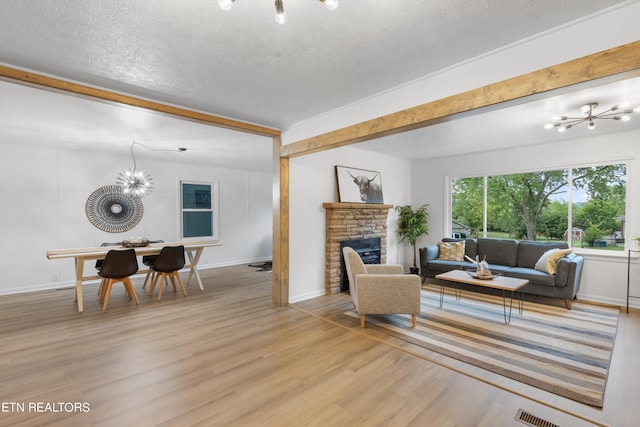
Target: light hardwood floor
[(228, 356)]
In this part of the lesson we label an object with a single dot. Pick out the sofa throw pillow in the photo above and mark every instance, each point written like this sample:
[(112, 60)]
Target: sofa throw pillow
[(548, 260), (451, 251)]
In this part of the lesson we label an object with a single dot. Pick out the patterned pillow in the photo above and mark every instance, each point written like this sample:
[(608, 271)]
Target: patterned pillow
[(548, 260), (451, 251)]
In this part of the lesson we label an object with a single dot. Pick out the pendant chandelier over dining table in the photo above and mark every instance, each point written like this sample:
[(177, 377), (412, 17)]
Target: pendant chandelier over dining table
[(138, 182), (281, 15)]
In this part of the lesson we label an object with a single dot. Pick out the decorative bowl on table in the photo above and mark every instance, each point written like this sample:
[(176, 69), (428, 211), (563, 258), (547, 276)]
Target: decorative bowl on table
[(135, 243), (483, 275)]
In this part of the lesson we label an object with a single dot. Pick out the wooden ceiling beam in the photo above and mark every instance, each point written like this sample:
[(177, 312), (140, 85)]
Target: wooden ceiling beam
[(53, 83), (617, 63)]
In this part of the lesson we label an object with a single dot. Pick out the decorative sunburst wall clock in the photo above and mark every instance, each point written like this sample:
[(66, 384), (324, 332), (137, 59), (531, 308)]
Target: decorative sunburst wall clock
[(111, 210)]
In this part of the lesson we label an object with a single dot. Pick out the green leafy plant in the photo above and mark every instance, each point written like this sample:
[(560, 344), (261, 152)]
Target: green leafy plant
[(412, 224), (593, 233)]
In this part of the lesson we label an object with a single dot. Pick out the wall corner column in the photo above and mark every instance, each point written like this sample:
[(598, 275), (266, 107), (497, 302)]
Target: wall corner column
[(280, 268)]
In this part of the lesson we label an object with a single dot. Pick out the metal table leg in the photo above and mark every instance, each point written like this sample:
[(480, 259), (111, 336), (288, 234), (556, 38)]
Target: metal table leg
[(507, 317), (457, 292)]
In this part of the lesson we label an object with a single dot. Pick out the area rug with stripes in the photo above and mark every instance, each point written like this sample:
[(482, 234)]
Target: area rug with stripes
[(565, 352)]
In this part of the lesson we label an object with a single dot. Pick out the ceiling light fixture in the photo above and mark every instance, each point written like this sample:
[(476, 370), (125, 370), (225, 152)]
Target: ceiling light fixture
[(281, 15), (138, 182), (617, 112)]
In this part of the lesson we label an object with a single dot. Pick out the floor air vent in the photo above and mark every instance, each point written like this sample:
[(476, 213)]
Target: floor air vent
[(531, 420)]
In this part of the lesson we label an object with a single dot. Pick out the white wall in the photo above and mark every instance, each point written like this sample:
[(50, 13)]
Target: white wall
[(313, 182), (44, 191), (615, 28)]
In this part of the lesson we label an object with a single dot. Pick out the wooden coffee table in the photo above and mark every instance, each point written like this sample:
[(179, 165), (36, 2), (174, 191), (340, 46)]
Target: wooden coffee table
[(505, 284)]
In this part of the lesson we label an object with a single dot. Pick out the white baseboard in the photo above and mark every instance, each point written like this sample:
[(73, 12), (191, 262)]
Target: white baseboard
[(633, 302), (618, 302), (39, 287), (138, 277), (307, 296)]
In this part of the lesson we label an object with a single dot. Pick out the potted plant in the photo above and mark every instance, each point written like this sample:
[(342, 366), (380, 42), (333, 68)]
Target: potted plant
[(411, 225)]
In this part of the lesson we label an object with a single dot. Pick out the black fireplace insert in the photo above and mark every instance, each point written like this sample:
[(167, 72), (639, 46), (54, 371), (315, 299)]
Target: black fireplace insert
[(369, 250)]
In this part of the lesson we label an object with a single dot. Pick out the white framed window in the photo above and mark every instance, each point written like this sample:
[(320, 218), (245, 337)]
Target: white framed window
[(583, 205), (199, 210)]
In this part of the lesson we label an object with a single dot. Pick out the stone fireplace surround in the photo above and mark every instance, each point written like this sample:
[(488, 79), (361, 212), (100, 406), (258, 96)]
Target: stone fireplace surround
[(348, 221)]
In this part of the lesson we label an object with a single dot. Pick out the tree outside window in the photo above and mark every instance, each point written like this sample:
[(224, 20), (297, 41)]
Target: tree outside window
[(536, 206), (467, 195)]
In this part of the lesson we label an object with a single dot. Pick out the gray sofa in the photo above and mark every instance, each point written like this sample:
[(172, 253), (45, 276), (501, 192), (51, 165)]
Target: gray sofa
[(512, 258)]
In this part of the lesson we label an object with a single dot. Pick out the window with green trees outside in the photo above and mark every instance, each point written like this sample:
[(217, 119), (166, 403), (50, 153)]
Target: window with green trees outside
[(584, 206)]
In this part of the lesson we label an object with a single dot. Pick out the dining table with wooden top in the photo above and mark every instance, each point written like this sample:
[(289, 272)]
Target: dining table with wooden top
[(193, 250)]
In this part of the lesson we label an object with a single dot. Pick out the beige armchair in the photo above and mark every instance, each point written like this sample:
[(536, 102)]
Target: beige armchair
[(381, 288)]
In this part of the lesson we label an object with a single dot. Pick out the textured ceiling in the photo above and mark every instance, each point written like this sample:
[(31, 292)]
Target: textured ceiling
[(243, 65)]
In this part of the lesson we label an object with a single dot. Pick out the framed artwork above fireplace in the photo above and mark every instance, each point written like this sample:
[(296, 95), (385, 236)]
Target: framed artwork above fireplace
[(359, 185)]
